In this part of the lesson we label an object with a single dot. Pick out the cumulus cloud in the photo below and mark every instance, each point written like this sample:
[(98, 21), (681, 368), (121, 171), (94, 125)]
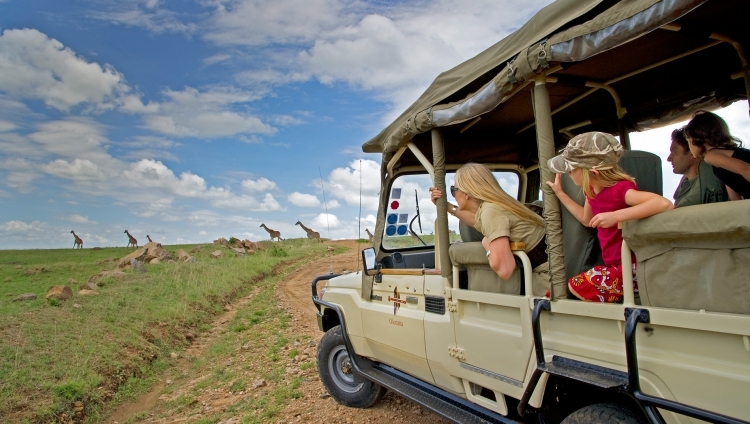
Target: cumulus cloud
[(208, 114), (23, 228), (80, 219), (303, 200), (261, 184), (344, 183), (80, 170), (34, 66), (324, 220)]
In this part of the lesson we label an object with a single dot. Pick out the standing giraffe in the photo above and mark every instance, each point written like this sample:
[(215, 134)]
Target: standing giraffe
[(131, 240), (311, 235), (78, 241), (369, 234), (149, 238), (273, 233)]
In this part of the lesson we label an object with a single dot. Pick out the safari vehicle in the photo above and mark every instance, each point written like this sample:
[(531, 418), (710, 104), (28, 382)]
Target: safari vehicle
[(413, 321)]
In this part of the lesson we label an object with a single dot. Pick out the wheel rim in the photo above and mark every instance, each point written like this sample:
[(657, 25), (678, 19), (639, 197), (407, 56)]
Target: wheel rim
[(340, 368)]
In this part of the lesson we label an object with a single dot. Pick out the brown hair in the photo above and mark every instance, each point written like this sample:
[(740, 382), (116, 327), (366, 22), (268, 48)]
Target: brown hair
[(678, 136), (606, 177), (709, 129), (478, 182)]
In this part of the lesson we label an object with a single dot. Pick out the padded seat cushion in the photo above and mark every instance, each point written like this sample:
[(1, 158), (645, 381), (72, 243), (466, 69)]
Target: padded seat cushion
[(695, 257)]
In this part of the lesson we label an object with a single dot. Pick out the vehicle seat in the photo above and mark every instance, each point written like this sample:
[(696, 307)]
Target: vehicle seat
[(481, 276), (580, 244), (695, 257)]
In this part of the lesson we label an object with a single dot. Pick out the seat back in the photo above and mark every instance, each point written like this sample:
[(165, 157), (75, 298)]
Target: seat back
[(481, 276), (696, 257)]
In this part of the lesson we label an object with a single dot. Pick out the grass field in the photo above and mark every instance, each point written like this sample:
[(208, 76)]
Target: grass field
[(103, 349)]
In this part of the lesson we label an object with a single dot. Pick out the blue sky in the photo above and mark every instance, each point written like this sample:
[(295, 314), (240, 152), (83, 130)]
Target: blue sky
[(191, 120)]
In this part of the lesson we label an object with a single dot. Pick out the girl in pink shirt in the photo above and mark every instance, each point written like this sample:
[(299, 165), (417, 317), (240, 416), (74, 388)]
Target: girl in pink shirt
[(611, 197)]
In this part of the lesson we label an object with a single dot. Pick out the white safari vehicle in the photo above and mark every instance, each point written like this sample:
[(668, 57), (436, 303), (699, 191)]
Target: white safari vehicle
[(427, 317)]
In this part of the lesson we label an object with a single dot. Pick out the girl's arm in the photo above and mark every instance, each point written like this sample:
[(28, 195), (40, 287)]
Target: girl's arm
[(723, 159), (642, 204), (582, 213), (465, 216), (733, 195), (501, 257)]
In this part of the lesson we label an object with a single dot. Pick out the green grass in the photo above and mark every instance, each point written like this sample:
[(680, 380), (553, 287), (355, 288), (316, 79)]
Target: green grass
[(110, 346)]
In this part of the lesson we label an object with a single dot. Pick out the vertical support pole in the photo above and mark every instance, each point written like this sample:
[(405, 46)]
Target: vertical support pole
[(552, 218), (624, 133), (441, 232)]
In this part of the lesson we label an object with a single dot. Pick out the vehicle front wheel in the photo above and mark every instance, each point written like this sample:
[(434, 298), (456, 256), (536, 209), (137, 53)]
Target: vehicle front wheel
[(605, 413), (337, 374)]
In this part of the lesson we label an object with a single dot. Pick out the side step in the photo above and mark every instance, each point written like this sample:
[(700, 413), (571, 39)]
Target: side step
[(442, 403), (606, 378)]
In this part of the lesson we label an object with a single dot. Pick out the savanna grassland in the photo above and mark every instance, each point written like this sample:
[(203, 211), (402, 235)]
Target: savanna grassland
[(74, 360)]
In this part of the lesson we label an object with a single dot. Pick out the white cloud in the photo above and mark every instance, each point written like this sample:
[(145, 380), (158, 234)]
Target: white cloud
[(6, 126), (216, 59), (21, 173), (208, 114), (152, 19), (261, 184), (80, 219), (332, 204), (34, 66), (23, 228), (344, 183), (79, 170), (324, 220), (303, 200)]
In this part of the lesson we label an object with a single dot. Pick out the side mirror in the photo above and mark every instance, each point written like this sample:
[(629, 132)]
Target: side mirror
[(370, 260)]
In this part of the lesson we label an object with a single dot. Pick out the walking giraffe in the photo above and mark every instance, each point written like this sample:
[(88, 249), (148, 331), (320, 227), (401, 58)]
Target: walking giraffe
[(131, 240), (273, 233), (149, 238), (311, 235), (369, 234), (78, 241)]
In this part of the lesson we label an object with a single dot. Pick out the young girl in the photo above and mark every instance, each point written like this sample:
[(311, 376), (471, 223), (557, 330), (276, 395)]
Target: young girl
[(611, 197), (709, 138)]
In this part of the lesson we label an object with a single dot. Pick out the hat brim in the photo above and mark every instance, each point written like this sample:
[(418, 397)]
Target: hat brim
[(559, 165)]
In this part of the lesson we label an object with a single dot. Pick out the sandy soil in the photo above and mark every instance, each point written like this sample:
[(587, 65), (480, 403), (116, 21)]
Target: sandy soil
[(293, 293)]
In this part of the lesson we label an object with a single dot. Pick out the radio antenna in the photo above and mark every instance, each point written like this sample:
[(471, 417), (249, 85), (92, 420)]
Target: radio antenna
[(359, 220), (325, 203)]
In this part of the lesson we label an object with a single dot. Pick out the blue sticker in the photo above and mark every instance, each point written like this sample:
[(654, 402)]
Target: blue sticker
[(390, 230), (392, 218), (401, 230)]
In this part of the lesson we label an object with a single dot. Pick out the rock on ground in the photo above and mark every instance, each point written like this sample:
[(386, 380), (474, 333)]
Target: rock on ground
[(88, 286), (25, 296), (86, 292), (216, 254), (59, 293)]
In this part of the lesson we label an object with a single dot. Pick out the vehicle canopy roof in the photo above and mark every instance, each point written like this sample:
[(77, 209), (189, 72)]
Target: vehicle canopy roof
[(614, 66)]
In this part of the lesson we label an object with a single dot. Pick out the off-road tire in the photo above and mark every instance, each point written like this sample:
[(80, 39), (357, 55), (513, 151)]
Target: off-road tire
[(334, 368), (605, 413)]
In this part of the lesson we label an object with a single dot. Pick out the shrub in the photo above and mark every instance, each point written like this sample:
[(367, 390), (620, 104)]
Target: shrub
[(278, 252)]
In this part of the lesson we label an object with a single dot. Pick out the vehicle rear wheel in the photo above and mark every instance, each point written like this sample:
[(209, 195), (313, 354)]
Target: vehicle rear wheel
[(605, 413), (337, 374)]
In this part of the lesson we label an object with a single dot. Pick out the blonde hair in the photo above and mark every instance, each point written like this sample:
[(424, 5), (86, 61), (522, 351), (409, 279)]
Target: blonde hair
[(477, 181), (606, 177)]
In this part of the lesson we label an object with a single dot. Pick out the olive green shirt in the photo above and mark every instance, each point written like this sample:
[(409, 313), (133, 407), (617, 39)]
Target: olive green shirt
[(493, 221), (688, 192)]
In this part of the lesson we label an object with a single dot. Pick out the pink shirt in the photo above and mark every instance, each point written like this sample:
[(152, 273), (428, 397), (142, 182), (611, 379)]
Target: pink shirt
[(609, 200)]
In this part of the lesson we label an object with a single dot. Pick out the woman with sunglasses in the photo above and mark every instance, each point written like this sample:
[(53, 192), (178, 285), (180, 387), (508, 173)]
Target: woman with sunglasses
[(483, 205)]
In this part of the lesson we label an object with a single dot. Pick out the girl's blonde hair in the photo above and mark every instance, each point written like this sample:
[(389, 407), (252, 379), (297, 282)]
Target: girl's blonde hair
[(477, 181), (606, 177)]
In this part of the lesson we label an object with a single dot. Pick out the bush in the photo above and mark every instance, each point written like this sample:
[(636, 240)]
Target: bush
[(278, 252), (54, 302), (233, 240)]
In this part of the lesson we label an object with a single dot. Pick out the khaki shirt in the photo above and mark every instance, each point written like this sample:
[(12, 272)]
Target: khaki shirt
[(688, 193), (493, 221)]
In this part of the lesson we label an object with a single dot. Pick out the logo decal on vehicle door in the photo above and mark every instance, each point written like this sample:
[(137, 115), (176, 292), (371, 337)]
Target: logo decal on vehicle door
[(397, 302)]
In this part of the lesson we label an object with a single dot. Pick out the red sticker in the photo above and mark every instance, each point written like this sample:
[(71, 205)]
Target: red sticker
[(395, 204)]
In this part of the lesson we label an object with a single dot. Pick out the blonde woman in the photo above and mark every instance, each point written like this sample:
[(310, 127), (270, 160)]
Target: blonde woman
[(483, 205)]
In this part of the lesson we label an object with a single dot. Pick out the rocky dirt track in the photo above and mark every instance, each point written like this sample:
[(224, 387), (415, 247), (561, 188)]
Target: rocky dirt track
[(315, 405)]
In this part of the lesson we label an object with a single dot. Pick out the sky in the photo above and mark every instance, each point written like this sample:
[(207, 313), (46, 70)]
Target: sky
[(193, 120)]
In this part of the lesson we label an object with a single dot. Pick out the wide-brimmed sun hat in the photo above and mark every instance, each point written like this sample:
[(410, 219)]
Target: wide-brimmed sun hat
[(591, 150)]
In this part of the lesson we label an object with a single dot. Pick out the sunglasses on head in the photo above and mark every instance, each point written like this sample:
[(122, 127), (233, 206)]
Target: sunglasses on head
[(454, 189)]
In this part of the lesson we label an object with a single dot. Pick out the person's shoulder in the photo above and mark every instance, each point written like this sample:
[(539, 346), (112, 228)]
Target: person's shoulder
[(625, 185)]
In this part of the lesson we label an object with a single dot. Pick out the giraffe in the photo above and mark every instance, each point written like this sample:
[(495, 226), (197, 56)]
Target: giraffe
[(369, 234), (311, 235), (131, 240), (149, 238), (78, 241), (273, 233)]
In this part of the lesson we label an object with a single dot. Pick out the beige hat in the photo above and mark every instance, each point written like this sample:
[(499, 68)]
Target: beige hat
[(591, 150)]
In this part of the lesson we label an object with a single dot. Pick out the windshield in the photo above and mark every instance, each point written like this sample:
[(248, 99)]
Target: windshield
[(409, 194)]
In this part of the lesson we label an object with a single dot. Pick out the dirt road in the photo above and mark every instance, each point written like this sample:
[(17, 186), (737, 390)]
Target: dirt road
[(315, 405)]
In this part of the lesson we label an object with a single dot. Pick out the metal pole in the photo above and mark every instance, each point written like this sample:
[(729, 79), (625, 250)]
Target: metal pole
[(441, 232), (552, 219)]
